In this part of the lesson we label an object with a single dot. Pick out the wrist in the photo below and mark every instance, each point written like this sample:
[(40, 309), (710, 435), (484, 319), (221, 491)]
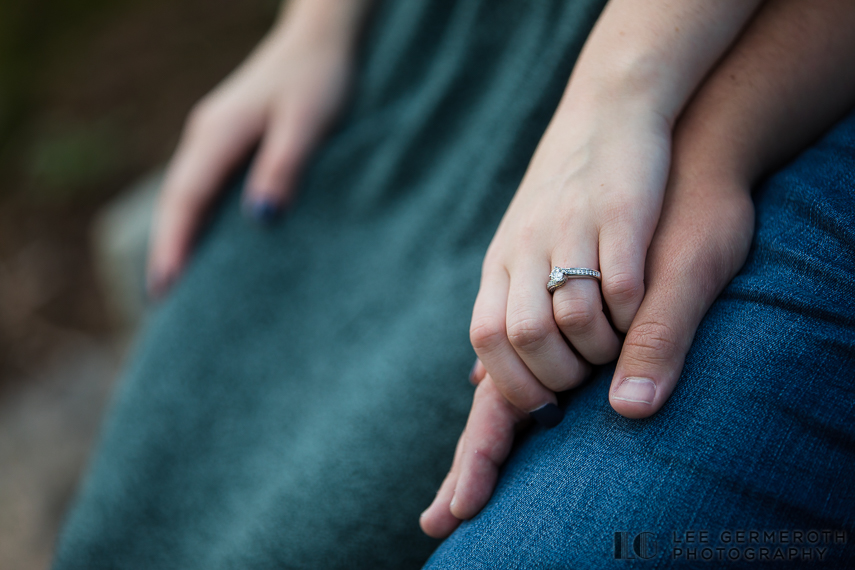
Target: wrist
[(706, 162), (635, 84), (608, 121), (654, 54), (715, 149)]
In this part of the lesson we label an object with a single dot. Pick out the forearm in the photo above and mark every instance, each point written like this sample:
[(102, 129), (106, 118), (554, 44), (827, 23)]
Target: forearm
[(651, 55), (788, 78)]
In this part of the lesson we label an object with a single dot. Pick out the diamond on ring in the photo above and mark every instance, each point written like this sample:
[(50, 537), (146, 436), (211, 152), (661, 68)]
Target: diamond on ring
[(559, 275)]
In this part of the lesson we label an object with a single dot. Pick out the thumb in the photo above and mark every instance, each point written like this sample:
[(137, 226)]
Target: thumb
[(701, 243)]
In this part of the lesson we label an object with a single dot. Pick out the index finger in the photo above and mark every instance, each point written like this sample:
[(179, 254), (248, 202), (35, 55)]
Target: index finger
[(487, 442), (209, 150)]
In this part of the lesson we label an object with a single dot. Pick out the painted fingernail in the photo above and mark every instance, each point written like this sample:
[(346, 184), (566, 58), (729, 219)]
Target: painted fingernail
[(548, 415), (263, 210), (639, 390)]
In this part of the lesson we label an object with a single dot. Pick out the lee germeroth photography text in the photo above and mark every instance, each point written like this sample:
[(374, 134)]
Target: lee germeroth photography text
[(730, 545)]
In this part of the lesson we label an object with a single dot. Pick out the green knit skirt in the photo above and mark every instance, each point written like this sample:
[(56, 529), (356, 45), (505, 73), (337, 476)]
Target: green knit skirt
[(296, 400)]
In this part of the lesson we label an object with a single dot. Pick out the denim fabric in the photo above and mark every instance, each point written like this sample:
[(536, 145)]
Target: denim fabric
[(759, 434)]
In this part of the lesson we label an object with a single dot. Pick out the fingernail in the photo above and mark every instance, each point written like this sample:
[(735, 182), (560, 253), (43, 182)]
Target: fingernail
[(640, 390), (548, 415), (263, 210)]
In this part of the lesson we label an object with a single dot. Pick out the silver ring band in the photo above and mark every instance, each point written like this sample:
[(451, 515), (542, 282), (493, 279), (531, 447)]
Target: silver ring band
[(559, 276)]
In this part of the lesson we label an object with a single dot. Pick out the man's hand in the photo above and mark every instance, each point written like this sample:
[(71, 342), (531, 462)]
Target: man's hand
[(702, 241)]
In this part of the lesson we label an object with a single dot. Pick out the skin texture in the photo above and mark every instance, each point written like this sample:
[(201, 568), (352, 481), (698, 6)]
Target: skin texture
[(281, 99), (763, 103)]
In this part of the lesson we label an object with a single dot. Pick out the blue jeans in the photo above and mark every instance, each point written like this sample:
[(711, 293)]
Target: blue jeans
[(753, 458)]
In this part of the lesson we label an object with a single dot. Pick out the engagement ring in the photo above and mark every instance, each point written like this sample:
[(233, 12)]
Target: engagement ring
[(559, 276)]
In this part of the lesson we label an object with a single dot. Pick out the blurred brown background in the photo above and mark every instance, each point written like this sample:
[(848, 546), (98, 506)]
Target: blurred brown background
[(93, 94)]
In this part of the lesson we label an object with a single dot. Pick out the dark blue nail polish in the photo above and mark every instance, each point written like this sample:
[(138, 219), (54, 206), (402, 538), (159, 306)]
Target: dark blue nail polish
[(548, 415), (263, 211)]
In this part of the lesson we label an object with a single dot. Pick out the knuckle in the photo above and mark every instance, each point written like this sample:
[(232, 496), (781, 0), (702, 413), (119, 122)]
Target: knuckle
[(577, 314), (486, 333), (623, 287), (652, 342), (528, 333)]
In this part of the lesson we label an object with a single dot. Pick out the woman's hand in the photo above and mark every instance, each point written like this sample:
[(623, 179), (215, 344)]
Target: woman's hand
[(590, 198), (281, 98), (701, 242)]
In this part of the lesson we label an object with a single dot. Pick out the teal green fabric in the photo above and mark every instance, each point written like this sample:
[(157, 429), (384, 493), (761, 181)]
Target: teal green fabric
[(295, 402)]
